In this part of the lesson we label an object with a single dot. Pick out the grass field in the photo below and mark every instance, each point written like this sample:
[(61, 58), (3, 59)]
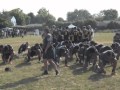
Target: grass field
[(28, 76)]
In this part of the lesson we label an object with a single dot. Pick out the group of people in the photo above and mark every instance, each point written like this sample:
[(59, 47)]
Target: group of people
[(75, 35), (63, 45), (59, 43), (5, 33)]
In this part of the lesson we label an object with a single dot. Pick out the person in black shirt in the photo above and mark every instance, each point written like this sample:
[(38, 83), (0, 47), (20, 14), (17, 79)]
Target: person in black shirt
[(107, 57), (7, 54), (23, 47), (48, 52)]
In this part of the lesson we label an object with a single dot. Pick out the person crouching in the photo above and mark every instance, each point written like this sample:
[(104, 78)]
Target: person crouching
[(7, 54)]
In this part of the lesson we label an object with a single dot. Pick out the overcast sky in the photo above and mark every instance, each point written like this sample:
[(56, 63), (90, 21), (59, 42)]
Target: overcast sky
[(59, 8)]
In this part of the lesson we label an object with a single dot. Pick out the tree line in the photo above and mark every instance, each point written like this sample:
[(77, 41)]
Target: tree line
[(78, 17)]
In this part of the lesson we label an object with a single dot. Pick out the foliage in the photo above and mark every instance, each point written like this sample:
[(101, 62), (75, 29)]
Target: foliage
[(5, 19), (91, 22), (32, 17), (78, 23), (77, 15), (110, 14), (60, 19), (27, 19), (113, 25), (98, 17), (62, 24), (21, 18), (44, 16)]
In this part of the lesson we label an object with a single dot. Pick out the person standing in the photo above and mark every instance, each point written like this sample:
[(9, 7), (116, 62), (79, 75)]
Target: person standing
[(91, 34), (48, 52), (85, 36)]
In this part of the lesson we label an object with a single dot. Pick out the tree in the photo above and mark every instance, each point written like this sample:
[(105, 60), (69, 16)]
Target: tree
[(98, 17), (44, 16), (110, 14), (4, 23), (19, 15), (91, 22), (60, 19), (113, 25), (43, 12), (32, 17), (77, 15), (5, 19), (27, 19)]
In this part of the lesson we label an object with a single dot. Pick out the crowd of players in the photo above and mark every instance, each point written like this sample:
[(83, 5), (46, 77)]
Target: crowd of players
[(67, 43), (75, 35)]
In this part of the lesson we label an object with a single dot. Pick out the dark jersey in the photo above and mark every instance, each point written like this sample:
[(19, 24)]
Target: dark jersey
[(60, 38), (24, 47), (76, 36), (107, 56), (7, 49), (47, 39), (66, 35)]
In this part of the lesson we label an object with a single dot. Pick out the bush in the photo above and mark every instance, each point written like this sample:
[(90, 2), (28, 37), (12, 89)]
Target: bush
[(113, 25), (91, 22), (78, 23)]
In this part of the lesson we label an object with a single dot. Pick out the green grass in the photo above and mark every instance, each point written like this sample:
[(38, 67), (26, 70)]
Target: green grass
[(104, 38), (28, 76)]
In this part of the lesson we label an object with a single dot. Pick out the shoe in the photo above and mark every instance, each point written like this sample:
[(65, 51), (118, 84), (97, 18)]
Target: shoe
[(45, 73), (56, 71)]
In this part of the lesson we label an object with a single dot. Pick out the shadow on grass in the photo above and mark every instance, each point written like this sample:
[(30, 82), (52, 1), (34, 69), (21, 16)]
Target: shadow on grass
[(24, 81), (25, 63), (74, 66), (117, 68), (21, 82), (97, 77), (50, 67), (34, 58), (1, 64), (22, 65), (78, 69), (62, 61), (16, 57)]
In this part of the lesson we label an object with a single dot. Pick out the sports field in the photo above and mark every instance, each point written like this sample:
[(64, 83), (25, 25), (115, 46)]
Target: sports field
[(28, 76)]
